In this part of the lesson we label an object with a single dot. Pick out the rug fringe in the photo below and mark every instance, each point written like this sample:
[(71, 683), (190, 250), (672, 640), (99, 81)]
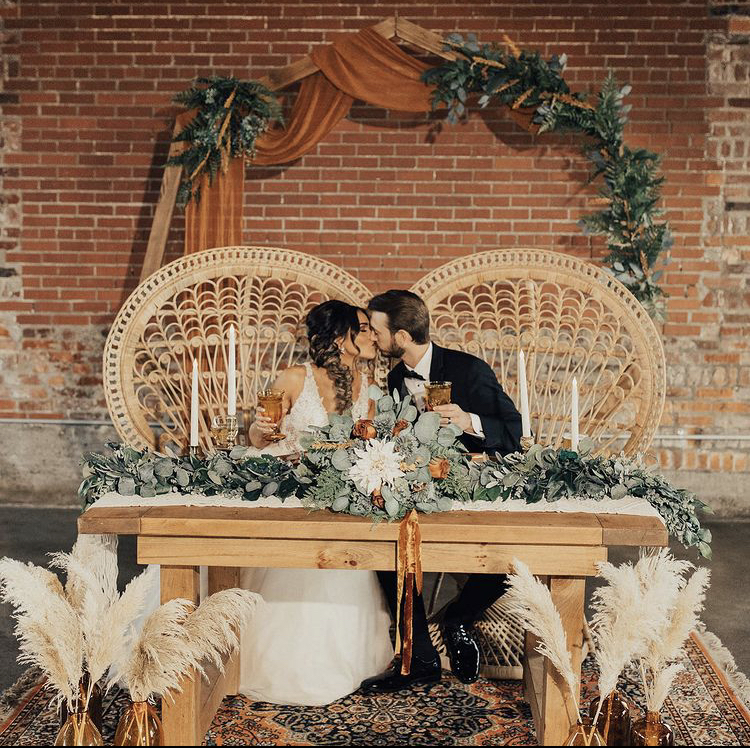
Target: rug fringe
[(11, 697), (739, 682)]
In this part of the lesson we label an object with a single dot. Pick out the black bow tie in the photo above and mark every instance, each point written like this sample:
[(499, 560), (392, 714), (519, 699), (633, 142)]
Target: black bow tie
[(414, 375)]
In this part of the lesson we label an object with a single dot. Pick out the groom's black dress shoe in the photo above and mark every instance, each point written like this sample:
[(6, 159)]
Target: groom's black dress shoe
[(463, 651), (422, 673)]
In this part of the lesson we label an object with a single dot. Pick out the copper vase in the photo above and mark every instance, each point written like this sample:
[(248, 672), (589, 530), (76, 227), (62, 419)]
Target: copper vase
[(139, 725), (79, 729), (584, 733), (651, 730), (93, 707), (613, 722)]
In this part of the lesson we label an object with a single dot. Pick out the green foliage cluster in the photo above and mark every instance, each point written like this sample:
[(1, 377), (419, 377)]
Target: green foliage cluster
[(333, 450), (631, 182), (231, 115), (322, 477), (544, 474), (132, 472)]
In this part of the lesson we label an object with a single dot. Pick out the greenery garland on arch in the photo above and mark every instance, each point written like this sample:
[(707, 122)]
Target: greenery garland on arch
[(631, 190), (233, 113)]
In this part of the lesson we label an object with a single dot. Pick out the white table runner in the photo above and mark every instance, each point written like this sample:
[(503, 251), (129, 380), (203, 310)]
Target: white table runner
[(627, 505)]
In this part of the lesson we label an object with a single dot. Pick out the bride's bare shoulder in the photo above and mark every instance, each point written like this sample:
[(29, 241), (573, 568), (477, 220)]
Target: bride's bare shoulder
[(292, 380)]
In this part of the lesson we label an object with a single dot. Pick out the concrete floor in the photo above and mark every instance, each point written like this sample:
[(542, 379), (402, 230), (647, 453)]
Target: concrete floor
[(29, 534)]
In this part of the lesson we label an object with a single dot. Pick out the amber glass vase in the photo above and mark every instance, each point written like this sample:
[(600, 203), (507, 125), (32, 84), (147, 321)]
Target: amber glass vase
[(79, 729), (139, 725), (651, 730), (613, 722), (94, 706), (584, 733)]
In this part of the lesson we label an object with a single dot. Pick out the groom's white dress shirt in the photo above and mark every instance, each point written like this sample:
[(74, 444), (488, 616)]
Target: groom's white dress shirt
[(415, 388)]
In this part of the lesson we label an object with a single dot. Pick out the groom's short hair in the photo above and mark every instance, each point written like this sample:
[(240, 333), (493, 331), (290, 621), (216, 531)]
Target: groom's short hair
[(405, 311)]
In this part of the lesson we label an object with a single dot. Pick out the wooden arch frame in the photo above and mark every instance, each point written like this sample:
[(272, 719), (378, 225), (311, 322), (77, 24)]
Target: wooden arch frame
[(389, 28)]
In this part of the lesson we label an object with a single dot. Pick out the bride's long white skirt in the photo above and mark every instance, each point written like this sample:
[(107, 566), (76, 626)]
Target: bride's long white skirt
[(319, 635)]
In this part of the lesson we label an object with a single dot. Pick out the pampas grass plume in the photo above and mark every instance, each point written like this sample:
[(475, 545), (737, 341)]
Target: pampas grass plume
[(531, 601)]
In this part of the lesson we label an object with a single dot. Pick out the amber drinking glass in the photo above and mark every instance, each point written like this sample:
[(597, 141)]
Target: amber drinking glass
[(272, 402), (436, 393), (139, 725), (651, 730), (613, 722)]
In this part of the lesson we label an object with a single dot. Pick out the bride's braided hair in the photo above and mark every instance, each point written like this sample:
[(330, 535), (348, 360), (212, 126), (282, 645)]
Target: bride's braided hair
[(325, 324)]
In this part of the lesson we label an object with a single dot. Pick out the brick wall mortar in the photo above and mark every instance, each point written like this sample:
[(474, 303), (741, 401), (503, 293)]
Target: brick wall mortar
[(86, 96)]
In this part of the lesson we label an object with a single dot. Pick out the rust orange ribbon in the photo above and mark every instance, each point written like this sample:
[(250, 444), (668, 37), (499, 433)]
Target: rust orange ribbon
[(408, 575)]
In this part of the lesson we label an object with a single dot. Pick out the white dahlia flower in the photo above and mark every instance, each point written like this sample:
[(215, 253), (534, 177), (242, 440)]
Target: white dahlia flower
[(376, 464)]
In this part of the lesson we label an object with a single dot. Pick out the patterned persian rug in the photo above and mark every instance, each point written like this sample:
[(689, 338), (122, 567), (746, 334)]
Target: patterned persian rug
[(705, 707)]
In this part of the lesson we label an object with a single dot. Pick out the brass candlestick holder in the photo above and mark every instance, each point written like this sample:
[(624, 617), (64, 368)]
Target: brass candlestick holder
[(224, 432), (195, 451), (526, 443)]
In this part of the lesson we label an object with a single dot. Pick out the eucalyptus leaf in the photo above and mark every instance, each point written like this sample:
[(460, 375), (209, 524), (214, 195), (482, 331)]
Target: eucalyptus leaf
[(392, 507), (340, 460), (340, 503), (164, 467), (147, 492), (126, 486), (270, 488)]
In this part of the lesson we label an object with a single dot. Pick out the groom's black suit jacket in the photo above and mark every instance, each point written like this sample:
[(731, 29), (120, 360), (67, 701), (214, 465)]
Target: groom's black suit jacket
[(474, 389)]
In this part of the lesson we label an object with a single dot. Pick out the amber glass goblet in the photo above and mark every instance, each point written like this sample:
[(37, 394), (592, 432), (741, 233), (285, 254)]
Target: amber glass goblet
[(272, 402), (436, 393)]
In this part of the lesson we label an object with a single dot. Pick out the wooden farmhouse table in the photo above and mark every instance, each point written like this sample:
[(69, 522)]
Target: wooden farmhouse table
[(563, 547)]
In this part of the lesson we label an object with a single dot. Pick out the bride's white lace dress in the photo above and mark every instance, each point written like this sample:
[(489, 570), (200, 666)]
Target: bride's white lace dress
[(322, 631)]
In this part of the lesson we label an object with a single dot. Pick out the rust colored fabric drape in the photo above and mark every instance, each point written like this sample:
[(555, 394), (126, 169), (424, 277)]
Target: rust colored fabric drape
[(216, 221), (362, 66)]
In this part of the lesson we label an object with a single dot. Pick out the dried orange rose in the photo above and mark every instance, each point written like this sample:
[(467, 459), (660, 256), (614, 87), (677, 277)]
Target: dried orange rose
[(439, 468), (377, 499), (399, 427), (364, 429)]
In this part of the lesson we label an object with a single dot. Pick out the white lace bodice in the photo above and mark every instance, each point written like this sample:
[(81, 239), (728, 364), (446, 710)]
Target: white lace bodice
[(308, 410)]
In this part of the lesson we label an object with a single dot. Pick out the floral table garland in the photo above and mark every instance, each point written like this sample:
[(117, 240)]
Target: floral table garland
[(399, 461)]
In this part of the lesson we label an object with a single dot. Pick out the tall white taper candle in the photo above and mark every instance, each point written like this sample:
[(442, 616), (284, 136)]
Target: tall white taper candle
[(524, 395), (194, 408), (574, 417), (231, 383)]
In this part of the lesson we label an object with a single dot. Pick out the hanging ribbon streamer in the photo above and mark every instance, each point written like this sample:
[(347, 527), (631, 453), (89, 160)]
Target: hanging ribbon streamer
[(408, 576)]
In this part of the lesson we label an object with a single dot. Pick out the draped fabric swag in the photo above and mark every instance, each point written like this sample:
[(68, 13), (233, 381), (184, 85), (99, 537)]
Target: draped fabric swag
[(362, 66)]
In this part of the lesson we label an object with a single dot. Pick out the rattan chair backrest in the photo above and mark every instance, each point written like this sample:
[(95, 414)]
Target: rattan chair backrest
[(572, 319), (184, 311)]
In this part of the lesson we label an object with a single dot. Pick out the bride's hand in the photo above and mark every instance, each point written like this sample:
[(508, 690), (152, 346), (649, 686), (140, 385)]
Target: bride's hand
[(260, 428)]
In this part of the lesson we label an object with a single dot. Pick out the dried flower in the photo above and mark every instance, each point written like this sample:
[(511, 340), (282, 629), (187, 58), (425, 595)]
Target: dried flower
[(377, 464), (364, 429), (439, 468), (377, 499), (399, 427)]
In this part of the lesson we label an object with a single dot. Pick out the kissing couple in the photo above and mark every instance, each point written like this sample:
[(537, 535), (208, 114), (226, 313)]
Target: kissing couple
[(324, 633)]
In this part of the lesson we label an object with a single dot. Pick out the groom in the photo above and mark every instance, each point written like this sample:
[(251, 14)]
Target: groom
[(490, 423)]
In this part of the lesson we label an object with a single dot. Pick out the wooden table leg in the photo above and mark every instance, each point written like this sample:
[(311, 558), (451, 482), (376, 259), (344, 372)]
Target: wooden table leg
[(226, 578), (557, 707), (180, 718)]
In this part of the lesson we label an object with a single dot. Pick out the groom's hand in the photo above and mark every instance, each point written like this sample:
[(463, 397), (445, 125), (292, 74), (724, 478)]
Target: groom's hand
[(451, 413)]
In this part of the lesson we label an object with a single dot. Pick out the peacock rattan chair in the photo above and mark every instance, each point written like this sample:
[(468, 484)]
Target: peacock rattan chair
[(571, 319), (184, 310)]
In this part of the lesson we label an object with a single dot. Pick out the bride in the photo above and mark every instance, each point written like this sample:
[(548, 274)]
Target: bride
[(322, 631)]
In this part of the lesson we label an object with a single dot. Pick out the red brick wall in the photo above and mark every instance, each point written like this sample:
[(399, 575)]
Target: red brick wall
[(86, 121)]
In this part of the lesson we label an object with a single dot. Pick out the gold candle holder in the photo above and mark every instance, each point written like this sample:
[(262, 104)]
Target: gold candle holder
[(526, 443), (224, 432), (195, 451)]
